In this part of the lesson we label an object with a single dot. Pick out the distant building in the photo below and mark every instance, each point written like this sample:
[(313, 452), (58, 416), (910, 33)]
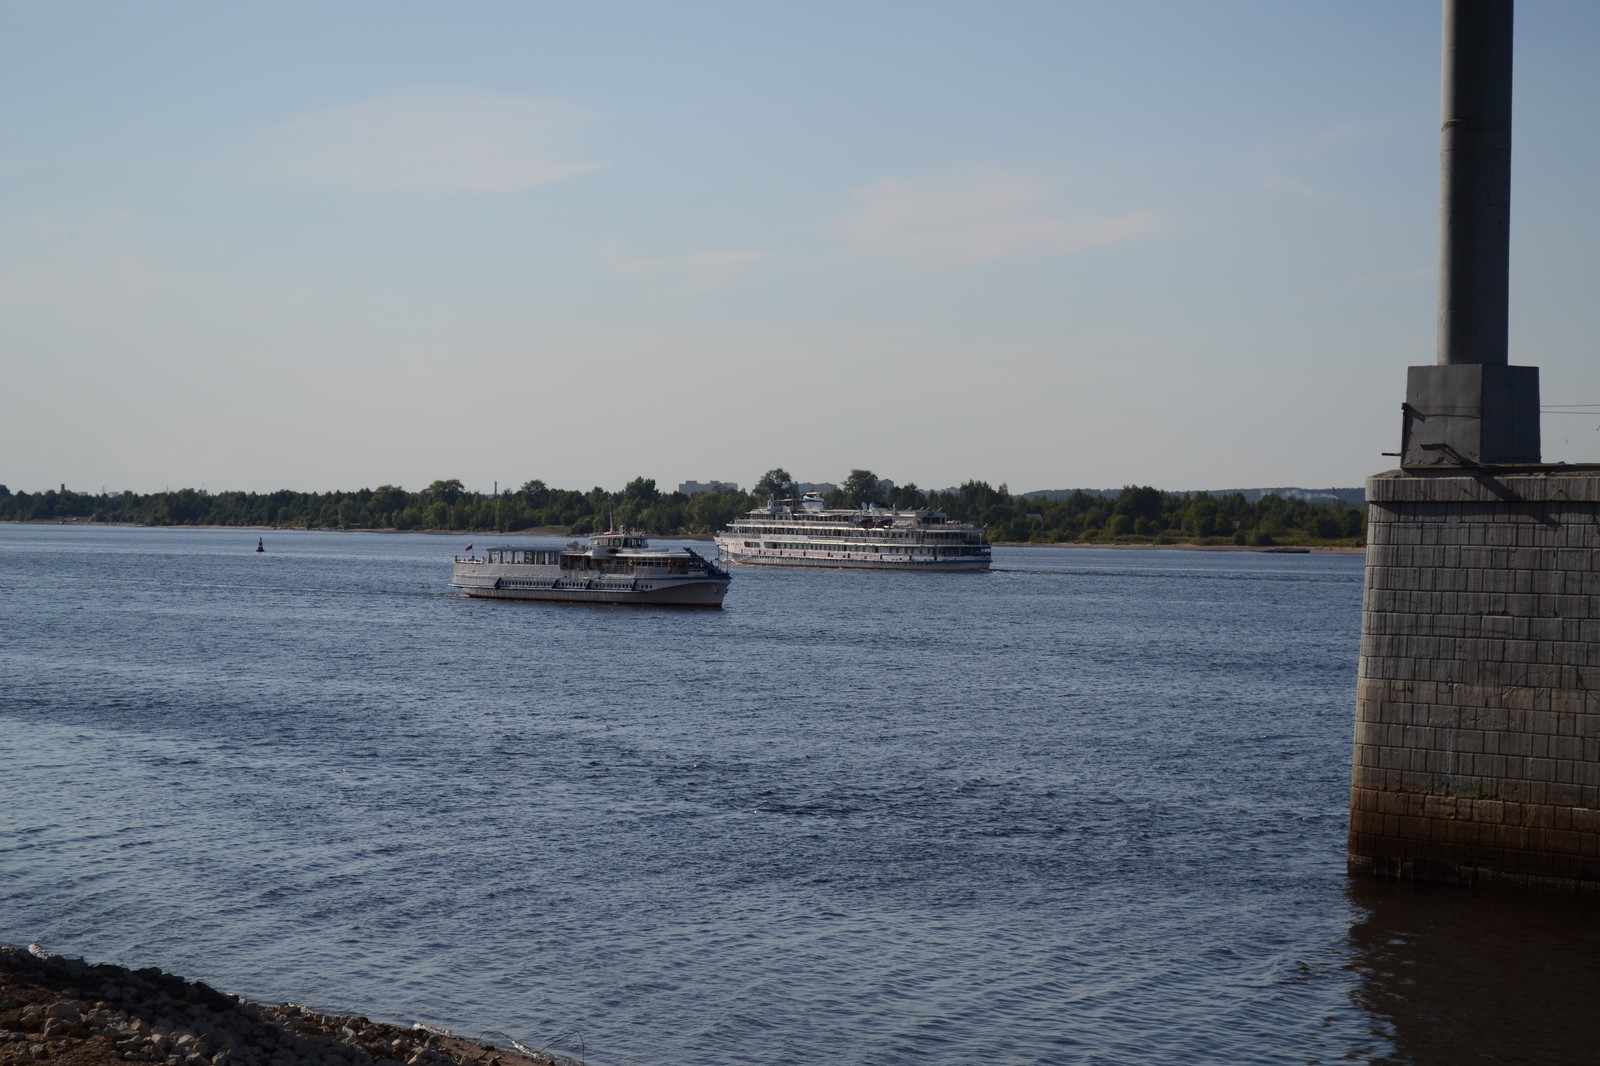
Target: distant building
[(695, 488)]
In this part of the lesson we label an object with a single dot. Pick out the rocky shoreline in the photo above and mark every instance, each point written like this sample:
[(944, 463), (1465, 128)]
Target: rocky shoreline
[(63, 1010)]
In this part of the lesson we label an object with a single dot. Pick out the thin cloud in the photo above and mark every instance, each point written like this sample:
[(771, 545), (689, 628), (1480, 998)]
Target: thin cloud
[(428, 142), (1275, 162), (696, 272), (974, 219)]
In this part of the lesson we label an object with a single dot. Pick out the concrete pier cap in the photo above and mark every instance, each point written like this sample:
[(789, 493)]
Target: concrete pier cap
[(1471, 408)]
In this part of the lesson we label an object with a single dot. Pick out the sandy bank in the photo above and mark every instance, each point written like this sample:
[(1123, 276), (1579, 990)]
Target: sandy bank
[(62, 1010)]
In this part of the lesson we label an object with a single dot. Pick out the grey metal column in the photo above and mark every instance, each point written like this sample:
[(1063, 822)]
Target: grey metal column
[(1471, 408), (1475, 182)]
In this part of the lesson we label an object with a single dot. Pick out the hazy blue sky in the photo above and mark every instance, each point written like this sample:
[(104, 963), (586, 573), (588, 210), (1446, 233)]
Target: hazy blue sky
[(333, 245)]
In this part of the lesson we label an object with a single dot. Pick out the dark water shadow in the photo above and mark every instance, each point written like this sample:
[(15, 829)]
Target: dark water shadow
[(1479, 976)]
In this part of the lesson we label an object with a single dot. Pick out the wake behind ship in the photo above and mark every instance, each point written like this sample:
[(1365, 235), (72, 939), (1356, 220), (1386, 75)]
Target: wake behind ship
[(616, 567), (809, 534)]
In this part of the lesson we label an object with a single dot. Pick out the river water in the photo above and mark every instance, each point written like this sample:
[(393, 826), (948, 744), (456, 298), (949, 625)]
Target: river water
[(1089, 807)]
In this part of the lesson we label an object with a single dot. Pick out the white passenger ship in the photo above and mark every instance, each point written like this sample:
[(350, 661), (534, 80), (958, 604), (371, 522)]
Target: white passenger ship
[(616, 567), (809, 534)]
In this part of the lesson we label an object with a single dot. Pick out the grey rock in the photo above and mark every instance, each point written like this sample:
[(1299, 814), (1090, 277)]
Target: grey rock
[(65, 1011)]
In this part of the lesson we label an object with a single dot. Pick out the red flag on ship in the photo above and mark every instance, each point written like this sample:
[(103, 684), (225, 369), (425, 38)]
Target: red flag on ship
[(469, 547)]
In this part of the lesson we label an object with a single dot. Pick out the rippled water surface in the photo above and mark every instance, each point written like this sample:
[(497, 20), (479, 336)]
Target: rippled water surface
[(1088, 807)]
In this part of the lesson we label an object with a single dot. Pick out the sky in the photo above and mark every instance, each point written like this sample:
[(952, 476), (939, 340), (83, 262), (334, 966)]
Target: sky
[(328, 246)]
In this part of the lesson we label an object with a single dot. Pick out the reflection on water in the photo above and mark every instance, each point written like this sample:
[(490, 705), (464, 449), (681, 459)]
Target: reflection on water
[(1497, 975)]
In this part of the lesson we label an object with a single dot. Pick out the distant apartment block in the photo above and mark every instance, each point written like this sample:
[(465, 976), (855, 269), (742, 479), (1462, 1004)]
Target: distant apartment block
[(695, 488)]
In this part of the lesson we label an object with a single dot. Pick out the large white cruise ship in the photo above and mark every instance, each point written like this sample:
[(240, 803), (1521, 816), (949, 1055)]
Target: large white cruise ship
[(809, 534)]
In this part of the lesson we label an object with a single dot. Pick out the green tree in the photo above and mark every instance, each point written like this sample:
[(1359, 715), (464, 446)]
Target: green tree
[(1354, 524), (641, 490), (775, 483), (908, 497), (535, 492), (1139, 501), (1200, 517), (387, 499), (447, 492), (861, 487)]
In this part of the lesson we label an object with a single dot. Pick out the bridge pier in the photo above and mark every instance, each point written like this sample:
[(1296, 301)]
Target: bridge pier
[(1477, 739)]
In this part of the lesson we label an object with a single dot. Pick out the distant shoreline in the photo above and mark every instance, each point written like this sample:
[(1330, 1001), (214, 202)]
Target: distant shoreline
[(1273, 549), (557, 532)]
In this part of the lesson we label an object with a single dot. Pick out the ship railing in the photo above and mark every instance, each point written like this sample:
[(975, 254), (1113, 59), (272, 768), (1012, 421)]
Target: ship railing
[(711, 568)]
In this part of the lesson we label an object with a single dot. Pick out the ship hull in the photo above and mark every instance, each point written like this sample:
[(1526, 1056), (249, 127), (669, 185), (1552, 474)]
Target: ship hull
[(842, 561), (701, 594)]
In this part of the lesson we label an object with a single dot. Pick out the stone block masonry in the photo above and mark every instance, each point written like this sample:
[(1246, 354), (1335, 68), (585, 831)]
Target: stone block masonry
[(1477, 738)]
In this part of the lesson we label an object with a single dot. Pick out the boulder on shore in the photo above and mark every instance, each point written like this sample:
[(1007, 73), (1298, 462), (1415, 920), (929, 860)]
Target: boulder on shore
[(64, 1010)]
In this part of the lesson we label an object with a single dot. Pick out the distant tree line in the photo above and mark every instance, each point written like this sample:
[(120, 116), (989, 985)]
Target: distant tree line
[(1137, 514), (1144, 515), (443, 505)]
